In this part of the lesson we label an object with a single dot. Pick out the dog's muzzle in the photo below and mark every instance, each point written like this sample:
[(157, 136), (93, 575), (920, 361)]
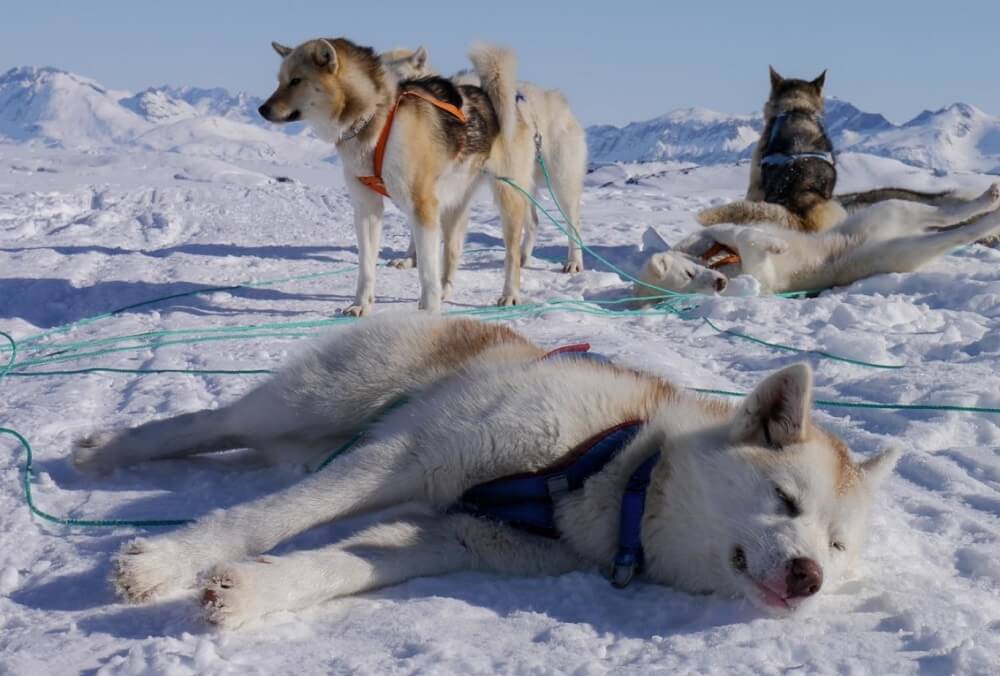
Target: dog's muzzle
[(265, 112)]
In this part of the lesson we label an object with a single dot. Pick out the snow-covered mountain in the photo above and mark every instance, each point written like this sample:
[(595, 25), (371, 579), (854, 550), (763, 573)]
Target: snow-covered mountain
[(59, 107), (50, 106), (55, 107)]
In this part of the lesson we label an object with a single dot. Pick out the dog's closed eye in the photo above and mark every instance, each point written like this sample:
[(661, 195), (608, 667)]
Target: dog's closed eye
[(294, 81), (788, 503)]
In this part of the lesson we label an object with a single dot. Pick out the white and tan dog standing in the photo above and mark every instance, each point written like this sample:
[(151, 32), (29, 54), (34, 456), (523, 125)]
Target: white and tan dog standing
[(750, 499), (433, 159), (562, 144)]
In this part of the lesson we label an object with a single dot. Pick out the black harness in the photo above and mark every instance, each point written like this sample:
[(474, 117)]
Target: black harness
[(775, 158), (527, 501)]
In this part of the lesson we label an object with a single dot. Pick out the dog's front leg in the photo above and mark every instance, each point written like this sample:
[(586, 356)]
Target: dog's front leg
[(368, 209), (375, 476), (425, 220), (383, 555)]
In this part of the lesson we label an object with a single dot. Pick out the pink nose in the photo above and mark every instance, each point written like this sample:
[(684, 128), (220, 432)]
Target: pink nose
[(805, 578)]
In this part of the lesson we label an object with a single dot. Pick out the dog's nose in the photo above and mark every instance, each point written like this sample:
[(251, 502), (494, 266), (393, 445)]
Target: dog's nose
[(720, 284), (805, 577), (265, 111)]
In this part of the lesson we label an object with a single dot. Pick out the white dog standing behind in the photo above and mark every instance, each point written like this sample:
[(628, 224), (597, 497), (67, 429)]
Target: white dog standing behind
[(750, 499)]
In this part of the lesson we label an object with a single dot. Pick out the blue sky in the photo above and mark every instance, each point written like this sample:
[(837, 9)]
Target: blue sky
[(617, 62)]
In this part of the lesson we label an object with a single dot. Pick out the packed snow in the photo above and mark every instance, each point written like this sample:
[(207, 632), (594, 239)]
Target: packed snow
[(90, 222)]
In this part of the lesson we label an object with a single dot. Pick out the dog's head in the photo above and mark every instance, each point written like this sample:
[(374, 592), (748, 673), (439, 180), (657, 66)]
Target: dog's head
[(679, 272), (791, 94), (407, 64), (786, 508), (328, 83)]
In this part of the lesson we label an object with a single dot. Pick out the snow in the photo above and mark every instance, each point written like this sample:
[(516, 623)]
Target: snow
[(87, 229)]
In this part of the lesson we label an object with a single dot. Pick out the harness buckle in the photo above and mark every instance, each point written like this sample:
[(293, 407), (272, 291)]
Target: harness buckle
[(557, 485), (538, 144)]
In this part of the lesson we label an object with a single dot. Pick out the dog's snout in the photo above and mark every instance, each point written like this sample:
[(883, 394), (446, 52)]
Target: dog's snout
[(805, 578), (720, 284), (265, 111)]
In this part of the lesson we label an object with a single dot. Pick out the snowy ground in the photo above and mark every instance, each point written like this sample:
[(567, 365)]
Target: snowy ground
[(82, 233)]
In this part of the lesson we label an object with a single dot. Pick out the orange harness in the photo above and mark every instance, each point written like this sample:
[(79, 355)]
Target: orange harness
[(730, 257), (375, 181)]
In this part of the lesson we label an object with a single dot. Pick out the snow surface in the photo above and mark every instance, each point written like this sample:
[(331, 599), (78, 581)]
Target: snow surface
[(86, 230)]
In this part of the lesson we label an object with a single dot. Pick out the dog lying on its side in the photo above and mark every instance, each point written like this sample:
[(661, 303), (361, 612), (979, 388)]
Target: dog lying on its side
[(747, 499), (891, 236), (442, 138), (563, 147)]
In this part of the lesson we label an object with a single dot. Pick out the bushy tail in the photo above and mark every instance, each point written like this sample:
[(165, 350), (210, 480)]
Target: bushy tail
[(745, 212), (497, 71)]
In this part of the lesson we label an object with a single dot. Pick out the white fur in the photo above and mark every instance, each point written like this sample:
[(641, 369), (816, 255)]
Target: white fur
[(500, 412), (891, 236)]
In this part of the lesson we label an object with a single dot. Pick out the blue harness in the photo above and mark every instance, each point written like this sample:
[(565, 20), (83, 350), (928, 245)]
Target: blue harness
[(780, 159), (527, 501)]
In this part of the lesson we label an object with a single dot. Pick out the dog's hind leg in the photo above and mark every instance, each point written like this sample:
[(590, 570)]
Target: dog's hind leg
[(383, 555), (905, 254), (530, 235), (567, 168), (956, 213), (513, 210)]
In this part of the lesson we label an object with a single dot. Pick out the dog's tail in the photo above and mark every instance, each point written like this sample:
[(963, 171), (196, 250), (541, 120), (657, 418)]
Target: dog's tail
[(497, 71), (746, 212)]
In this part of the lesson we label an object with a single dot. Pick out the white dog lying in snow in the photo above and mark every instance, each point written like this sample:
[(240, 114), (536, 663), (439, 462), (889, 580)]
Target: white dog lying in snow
[(748, 499), (891, 236)]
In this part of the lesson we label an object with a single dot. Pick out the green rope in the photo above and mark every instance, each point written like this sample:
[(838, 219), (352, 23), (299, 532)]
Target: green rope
[(29, 473), (789, 348)]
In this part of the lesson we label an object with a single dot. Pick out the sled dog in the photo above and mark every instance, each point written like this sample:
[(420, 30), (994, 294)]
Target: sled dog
[(443, 136), (748, 499), (890, 236), (563, 147)]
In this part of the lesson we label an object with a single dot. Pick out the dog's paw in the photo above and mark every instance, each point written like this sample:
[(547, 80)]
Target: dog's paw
[(88, 454), (356, 310), (237, 593), (572, 267), (404, 263), (148, 570), (508, 300)]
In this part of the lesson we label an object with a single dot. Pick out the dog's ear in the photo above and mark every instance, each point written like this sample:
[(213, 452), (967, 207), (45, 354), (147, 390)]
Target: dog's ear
[(875, 469), (776, 78), (653, 242), (325, 56), (819, 81), (282, 50), (419, 57), (777, 412)]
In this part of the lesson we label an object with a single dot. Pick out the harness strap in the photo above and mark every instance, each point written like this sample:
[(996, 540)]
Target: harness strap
[(630, 557), (780, 159), (375, 181), (732, 256)]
